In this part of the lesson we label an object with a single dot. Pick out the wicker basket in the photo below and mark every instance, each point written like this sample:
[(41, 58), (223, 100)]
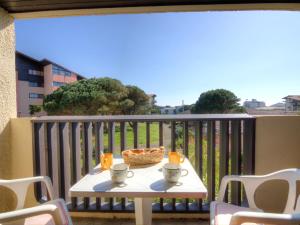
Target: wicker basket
[(143, 156)]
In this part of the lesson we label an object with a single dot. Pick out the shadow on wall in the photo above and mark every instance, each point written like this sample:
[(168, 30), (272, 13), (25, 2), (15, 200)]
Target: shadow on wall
[(8, 106), (16, 159), (6, 197)]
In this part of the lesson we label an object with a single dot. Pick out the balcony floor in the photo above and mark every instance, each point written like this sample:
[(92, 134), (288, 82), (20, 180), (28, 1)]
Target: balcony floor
[(85, 221)]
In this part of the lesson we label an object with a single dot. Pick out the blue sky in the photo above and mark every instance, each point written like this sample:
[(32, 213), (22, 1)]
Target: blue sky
[(177, 55)]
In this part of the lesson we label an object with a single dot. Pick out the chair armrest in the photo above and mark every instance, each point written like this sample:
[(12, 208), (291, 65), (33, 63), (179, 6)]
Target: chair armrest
[(264, 218), (224, 183), (20, 187), (51, 209), (23, 183)]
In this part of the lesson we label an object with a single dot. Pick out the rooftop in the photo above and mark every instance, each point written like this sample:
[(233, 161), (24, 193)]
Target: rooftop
[(45, 62), (294, 97)]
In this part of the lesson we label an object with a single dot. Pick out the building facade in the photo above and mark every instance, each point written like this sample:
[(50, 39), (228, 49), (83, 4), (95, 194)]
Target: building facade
[(253, 104), (35, 79), (174, 110), (292, 103)]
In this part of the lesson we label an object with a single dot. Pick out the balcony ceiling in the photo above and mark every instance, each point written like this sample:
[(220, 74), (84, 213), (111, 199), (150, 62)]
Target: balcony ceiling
[(23, 6)]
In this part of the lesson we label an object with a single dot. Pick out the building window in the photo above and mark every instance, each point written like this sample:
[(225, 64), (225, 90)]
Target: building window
[(60, 71), (35, 95), (57, 84), (36, 84), (35, 72)]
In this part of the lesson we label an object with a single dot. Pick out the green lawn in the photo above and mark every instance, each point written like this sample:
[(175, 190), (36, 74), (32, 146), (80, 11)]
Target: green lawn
[(154, 136)]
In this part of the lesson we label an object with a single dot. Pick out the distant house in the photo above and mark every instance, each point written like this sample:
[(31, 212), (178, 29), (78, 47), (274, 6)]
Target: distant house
[(168, 110), (292, 103), (278, 105), (253, 104), (174, 110)]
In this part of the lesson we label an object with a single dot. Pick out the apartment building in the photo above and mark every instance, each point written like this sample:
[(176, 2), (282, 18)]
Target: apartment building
[(253, 104), (37, 78)]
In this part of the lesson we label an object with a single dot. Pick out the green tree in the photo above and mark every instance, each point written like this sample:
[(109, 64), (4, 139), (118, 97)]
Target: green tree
[(34, 109), (155, 109), (187, 107), (218, 101), (104, 96), (136, 101)]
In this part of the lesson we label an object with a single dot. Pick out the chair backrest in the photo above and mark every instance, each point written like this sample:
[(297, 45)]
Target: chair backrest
[(291, 176)]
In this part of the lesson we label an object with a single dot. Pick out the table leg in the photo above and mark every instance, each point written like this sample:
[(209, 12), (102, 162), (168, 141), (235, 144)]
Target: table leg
[(143, 211)]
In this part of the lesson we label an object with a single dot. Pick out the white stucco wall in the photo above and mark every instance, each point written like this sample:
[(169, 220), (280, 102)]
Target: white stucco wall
[(8, 104)]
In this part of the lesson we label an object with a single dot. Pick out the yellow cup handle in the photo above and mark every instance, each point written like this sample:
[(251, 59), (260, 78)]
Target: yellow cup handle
[(130, 172), (182, 157), (104, 159), (186, 172)]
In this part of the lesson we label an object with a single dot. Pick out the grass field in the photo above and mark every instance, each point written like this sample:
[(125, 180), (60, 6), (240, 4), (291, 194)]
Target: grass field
[(154, 137)]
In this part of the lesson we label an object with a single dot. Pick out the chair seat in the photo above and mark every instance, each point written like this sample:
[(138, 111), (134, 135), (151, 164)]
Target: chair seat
[(46, 219), (221, 213)]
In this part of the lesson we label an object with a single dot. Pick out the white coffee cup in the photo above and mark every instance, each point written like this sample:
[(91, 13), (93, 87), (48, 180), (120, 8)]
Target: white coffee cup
[(172, 172), (119, 172)]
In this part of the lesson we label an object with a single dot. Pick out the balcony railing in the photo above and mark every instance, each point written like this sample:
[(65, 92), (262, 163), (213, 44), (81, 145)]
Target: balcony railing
[(67, 148)]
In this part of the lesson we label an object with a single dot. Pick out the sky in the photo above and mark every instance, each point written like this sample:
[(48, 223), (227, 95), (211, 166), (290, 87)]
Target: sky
[(176, 56)]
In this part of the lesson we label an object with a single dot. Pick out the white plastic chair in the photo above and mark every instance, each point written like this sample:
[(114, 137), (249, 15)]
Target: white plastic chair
[(222, 213), (51, 212)]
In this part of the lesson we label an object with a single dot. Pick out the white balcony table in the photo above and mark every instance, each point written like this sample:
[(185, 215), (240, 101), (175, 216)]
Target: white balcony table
[(147, 183)]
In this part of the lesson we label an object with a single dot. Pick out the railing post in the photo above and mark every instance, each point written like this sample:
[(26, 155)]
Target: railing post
[(40, 157), (186, 150), (161, 133), (211, 139), (64, 142), (173, 149), (99, 139), (224, 151), (123, 133), (249, 146), (236, 159), (111, 137), (88, 152), (148, 135), (76, 159), (199, 153), (161, 143), (173, 136), (135, 134), (186, 138), (111, 148), (248, 157), (53, 156), (123, 147)]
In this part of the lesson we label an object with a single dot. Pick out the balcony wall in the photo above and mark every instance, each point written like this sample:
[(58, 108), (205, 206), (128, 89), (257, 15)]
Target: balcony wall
[(21, 152), (277, 147), (8, 104)]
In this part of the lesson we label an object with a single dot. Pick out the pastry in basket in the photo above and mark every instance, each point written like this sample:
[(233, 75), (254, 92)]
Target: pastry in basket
[(143, 156)]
